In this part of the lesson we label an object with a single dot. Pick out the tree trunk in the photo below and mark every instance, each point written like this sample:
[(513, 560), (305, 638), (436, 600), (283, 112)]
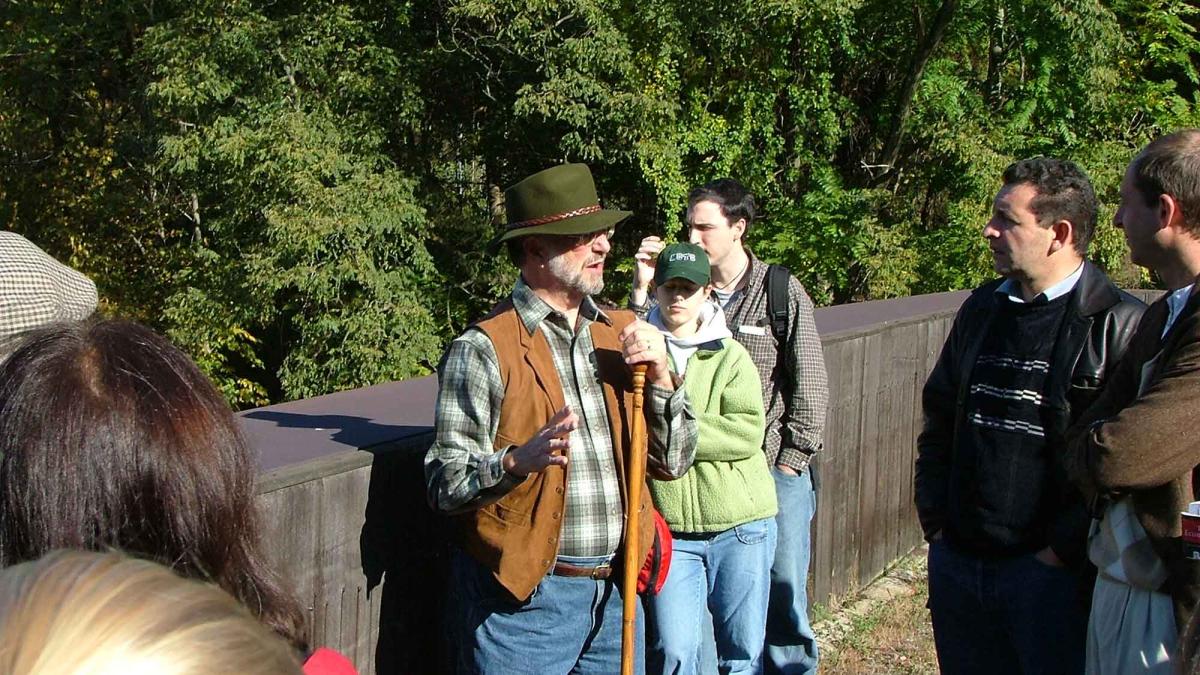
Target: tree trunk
[(926, 44), (789, 126), (993, 88)]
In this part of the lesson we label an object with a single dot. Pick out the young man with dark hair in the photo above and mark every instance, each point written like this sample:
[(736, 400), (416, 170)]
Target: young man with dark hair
[(1134, 453), (791, 366), (1025, 357)]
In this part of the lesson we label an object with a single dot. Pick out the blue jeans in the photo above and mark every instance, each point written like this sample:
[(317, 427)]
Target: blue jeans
[(1009, 615), (728, 572), (568, 625), (791, 645)]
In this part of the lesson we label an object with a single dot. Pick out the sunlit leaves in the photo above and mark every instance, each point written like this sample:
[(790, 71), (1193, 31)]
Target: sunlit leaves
[(300, 192)]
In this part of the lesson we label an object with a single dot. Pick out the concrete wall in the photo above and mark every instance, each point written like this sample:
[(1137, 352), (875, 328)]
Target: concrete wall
[(343, 497)]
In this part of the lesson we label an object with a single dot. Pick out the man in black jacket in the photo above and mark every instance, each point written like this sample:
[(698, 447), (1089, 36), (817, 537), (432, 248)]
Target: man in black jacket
[(1025, 357)]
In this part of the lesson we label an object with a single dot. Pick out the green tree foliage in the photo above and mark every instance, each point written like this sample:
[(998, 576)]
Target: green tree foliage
[(310, 257), (299, 193), (273, 236)]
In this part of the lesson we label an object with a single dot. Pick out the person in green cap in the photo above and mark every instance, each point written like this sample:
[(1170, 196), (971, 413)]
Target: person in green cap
[(771, 315), (532, 432), (722, 512)]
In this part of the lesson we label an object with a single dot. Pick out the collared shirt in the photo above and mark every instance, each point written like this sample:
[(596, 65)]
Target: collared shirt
[(463, 471), (1013, 290), (1175, 302)]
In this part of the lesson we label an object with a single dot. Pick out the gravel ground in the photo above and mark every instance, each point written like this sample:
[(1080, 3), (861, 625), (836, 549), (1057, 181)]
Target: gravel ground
[(882, 629)]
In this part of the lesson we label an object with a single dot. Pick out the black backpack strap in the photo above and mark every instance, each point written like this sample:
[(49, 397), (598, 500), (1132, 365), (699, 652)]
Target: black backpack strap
[(778, 278)]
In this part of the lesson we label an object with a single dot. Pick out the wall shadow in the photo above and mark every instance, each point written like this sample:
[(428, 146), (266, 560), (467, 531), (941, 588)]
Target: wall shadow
[(358, 432), (406, 557), (402, 545)]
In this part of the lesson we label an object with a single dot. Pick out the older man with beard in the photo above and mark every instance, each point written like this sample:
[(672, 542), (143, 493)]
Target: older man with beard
[(539, 390)]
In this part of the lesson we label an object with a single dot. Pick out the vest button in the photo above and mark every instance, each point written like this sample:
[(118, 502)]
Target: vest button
[(546, 563), (552, 540), (556, 515), (559, 489)]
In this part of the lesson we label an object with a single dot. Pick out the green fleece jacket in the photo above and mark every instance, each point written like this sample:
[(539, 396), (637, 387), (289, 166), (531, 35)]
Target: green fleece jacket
[(729, 482)]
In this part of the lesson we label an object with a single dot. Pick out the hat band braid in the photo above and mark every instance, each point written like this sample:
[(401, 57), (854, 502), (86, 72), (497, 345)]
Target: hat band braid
[(553, 218)]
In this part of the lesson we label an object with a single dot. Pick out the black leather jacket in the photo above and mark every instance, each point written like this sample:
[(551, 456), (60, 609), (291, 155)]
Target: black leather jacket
[(1099, 322)]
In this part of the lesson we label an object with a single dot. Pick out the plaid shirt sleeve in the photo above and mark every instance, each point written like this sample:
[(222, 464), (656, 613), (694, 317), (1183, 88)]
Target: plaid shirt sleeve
[(640, 311), (462, 470), (673, 430), (803, 424)]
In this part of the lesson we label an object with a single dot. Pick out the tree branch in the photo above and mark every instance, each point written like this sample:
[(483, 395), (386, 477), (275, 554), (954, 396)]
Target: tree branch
[(926, 45)]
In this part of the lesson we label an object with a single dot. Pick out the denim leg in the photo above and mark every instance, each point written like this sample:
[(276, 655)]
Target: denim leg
[(739, 573), (968, 629), (708, 643), (674, 614), (570, 624), (602, 650), (791, 647), (1044, 616)]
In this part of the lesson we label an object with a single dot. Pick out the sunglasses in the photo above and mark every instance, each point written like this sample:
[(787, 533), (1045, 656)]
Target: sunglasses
[(588, 238)]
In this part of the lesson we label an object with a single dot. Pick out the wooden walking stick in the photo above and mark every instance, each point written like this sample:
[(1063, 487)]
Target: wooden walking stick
[(635, 474)]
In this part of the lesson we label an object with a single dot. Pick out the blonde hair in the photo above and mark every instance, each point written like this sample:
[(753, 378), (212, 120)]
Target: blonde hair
[(105, 613)]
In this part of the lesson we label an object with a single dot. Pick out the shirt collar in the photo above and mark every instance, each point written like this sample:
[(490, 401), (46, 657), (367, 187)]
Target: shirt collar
[(533, 310), (1175, 302), (1013, 290)]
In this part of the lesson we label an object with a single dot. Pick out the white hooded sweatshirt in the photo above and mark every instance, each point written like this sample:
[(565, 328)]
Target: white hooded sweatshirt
[(712, 328)]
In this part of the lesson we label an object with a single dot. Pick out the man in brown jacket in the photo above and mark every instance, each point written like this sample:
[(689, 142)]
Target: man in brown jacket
[(533, 438), (1135, 451)]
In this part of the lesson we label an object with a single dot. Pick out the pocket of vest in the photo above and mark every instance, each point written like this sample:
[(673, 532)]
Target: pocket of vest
[(508, 515), (506, 511)]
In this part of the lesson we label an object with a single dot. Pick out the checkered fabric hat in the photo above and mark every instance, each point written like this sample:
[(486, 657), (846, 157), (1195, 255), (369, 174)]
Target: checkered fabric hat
[(36, 289)]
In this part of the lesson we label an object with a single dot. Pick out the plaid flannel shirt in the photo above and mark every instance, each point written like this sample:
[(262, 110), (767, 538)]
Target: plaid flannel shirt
[(463, 471), (36, 290), (795, 387)]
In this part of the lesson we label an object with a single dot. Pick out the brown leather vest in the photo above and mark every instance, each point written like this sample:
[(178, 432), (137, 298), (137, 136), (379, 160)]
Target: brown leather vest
[(517, 536)]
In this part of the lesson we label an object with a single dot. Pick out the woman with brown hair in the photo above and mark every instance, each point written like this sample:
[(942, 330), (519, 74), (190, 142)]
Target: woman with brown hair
[(111, 437)]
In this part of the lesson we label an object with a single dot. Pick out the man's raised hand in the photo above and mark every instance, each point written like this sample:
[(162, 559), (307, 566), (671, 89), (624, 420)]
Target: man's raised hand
[(548, 447), (646, 256), (643, 273)]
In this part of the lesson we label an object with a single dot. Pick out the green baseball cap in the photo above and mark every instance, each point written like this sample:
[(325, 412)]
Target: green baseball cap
[(682, 261), (558, 200)]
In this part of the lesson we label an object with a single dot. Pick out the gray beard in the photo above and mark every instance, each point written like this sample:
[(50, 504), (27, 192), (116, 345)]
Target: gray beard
[(573, 279)]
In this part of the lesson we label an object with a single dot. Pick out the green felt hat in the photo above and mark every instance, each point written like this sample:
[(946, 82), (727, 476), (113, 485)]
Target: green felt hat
[(558, 200)]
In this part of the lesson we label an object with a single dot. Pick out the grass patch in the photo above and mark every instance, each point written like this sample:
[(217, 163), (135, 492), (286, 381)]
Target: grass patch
[(887, 635), (820, 613)]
